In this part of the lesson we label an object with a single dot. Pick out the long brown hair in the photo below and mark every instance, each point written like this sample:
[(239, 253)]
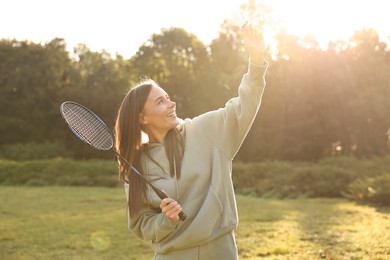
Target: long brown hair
[(128, 142)]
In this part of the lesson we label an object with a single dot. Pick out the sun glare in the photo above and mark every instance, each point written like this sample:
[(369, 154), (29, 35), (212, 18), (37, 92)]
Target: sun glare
[(122, 26), (330, 20)]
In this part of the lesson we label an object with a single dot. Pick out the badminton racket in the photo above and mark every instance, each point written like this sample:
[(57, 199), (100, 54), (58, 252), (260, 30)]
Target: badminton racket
[(88, 127)]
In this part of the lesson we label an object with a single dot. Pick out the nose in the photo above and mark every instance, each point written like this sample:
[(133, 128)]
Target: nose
[(172, 104)]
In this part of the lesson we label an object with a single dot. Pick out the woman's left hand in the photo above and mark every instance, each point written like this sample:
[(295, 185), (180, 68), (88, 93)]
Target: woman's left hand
[(254, 43)]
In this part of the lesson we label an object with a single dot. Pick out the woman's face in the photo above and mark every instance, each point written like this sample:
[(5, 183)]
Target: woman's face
[(159, 113)]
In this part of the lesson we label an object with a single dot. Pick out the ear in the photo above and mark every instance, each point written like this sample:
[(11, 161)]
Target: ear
[(142, 119)]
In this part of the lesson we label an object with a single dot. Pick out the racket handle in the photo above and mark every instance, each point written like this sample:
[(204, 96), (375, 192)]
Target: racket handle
[(163, 195), (182, 216), (159, 192)]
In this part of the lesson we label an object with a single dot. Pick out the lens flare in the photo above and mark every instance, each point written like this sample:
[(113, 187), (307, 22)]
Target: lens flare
[(100, 240)]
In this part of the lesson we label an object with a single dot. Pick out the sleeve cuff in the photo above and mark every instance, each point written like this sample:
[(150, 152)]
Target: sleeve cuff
[(257, 71), (265, 64), (166, 222)]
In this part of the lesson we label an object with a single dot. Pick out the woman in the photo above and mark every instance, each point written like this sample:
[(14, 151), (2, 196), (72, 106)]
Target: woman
[(191, 161)]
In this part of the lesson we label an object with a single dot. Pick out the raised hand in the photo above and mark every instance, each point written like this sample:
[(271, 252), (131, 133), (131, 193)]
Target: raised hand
[(254, 43)]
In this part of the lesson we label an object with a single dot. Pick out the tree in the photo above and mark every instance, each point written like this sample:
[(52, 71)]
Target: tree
[(175, 59), (33, 77), (321, 103), (99, 82)]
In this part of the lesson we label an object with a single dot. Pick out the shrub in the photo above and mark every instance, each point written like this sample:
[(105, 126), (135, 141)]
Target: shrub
[(364, 180), (34, 151), (59, 172), (371, 189), (329, 177)]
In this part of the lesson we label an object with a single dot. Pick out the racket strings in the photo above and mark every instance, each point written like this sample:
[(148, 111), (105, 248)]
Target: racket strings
[(88, 127)]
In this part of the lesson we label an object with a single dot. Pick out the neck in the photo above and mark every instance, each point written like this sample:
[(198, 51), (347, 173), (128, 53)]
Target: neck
[(157, 137)]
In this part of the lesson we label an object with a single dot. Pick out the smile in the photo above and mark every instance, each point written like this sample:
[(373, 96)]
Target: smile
[(172, 114)]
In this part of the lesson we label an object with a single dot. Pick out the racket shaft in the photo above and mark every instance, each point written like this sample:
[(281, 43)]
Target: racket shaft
[(159, 192)]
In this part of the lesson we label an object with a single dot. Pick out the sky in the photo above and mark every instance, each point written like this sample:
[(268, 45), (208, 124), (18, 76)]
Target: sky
[(122, 26)]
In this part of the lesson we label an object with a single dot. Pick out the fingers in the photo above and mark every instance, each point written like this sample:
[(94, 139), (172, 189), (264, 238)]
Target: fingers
[(171, 209), (254, 43), (249, 29), (253, 32)]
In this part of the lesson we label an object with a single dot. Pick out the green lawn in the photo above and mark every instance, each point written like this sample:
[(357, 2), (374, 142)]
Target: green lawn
[(90, 223)]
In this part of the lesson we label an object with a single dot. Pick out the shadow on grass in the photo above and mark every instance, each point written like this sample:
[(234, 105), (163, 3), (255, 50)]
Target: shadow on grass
[(318, 221), (311, 229), (263, 225), (339, 229)]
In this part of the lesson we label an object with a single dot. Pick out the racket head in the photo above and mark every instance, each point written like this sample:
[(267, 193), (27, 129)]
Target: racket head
[(237, 19), (87, 126)]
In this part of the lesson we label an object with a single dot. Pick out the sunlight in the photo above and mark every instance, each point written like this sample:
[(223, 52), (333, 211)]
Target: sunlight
[(329, 20), (123, 26)]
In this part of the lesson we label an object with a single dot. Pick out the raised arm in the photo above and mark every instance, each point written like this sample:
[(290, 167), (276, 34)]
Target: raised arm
[(228, 126)]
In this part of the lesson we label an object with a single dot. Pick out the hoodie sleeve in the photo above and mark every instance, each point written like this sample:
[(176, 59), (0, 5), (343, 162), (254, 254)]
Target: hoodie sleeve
[(150, 224), (227, 127)]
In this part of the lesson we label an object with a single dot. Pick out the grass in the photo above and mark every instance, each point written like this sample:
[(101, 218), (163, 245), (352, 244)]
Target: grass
[(90, 223), (312, 229)]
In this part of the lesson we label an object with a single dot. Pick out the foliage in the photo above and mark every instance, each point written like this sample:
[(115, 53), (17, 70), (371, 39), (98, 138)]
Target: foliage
[(59, 171), (361, 180), (34, 151), (177, 61), (331, 177), (321, 103), (371, 189), (33, 79), (318, 103)]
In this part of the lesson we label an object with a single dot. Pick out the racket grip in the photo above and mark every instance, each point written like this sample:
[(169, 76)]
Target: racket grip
[(163, 195), (182, 216)]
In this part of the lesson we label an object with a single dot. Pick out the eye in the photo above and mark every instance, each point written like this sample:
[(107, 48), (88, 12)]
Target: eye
[(168, 98)]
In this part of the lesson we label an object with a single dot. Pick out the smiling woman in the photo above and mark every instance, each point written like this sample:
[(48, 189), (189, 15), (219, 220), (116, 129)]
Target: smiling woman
[(191, 160), (159, 114)]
